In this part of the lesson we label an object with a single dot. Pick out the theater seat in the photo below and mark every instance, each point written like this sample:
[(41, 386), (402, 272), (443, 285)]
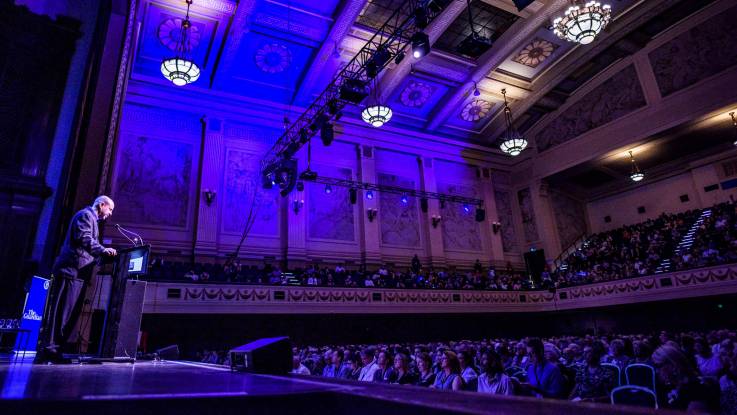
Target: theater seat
[(638, 374), (634, 395)]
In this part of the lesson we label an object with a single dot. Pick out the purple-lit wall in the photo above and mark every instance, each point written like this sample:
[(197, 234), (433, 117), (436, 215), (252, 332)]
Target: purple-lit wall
[(156, 174)]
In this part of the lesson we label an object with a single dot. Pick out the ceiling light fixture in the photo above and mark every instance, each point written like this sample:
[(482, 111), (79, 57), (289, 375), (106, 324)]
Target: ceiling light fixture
[(581, 23), (734, 123), (636, 174), (376, 114), (512, 141), (181, 69)]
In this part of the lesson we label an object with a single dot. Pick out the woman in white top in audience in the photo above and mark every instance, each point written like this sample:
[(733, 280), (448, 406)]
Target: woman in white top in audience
[(492, 379)]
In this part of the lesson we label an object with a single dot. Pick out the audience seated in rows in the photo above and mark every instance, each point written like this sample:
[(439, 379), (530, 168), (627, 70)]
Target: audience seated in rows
[(629, 251), (694, 371)]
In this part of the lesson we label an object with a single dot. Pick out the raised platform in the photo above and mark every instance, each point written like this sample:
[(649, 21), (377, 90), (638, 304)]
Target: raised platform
[(191, 388)]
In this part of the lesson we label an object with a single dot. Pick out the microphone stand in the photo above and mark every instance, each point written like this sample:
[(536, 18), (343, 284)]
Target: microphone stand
[(121, 231)]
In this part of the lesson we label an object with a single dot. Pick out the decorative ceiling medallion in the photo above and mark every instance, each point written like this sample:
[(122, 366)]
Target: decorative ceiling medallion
[(415, 94), (170, 33), (537, 51), (475, 110), (273, 58)]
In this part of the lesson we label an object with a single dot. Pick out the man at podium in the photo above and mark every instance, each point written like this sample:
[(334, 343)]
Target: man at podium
[(72, 272)]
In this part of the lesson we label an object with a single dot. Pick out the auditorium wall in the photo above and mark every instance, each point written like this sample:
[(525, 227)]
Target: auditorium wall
[(156, 175), (704, 184)]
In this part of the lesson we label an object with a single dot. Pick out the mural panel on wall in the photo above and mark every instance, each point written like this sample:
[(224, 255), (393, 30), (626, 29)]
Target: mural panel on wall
[(569, 218), (460, 229), (696, 54), (242, 185), (504, 208), (399, 221), (153, 181), (616, 97), (529, 227), (331, 214)]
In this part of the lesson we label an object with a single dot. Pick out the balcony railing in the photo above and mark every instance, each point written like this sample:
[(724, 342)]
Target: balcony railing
[(237, 299)]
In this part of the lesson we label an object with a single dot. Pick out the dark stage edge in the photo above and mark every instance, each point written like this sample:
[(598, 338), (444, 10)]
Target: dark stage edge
[(191, 388)]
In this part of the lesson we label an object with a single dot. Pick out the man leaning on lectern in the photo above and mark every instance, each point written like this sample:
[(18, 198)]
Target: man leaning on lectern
[(72, 272)]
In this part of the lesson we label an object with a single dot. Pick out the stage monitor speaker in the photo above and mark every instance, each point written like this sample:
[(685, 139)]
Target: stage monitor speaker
[(271, 356), (169, 352), (535, 263), (124, 322)]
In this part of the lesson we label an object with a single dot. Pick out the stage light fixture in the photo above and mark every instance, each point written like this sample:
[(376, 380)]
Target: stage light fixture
[(399, 58), (303, 136), (333, 106), (404, 199), (328, 189), (420, 45), (466, 208), (369, 195), (352, 193), (327, 133), (420, 16), (308, 175), (353, 90), (267, 181), (286, 176), (423, 205)]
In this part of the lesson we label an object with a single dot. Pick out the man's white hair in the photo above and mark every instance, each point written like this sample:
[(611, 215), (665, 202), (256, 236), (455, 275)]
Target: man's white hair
[(102, 199)]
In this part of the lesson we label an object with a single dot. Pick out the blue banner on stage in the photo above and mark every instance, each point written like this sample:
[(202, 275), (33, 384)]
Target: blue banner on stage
[(33, 312)]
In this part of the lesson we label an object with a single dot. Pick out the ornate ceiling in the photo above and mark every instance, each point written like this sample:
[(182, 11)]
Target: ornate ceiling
[(285, 52)]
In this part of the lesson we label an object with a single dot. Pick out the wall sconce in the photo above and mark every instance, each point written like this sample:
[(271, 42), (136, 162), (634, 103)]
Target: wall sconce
[(209, 196), (436, 220), (371, 214), (297, 206), (496, 226)]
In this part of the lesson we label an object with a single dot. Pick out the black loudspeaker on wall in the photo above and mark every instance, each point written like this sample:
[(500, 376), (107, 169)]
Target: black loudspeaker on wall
[(535, 263), (270, 355)]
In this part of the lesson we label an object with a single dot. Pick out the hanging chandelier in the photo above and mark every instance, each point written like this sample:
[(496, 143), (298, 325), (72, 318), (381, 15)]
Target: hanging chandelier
[(512, 141), (734, 123), (376, 114), (181, 69), (636, 174), (582, 22)]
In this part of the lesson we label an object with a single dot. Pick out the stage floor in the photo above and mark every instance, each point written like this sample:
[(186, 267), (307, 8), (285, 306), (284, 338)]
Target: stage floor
[(193, 388), (142, 380)]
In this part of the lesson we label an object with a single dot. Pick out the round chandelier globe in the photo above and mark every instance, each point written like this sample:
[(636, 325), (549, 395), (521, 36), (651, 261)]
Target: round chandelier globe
[(582, 23), (376, 115), (513, 146), (636, 177), (180, 71)]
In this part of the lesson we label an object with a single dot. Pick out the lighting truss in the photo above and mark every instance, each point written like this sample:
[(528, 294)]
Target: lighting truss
[(420, 194), (390, 40)]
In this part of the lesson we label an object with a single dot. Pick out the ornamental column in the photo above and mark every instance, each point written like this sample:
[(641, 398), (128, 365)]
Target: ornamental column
[(434, 247), (368, 227)]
